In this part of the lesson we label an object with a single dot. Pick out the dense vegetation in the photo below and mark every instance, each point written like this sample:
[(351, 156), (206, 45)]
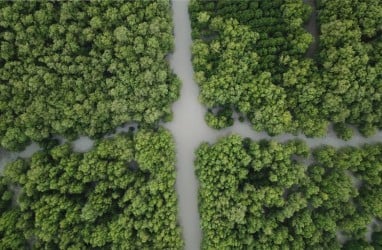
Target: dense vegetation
[(11, 234), (82, 67), (119, 195), (350, 61), (250, 57), (263, 195)]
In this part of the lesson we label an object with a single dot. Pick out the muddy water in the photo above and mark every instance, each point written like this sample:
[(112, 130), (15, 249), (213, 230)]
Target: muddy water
[(6, 157), (82, 144), (187, 127)]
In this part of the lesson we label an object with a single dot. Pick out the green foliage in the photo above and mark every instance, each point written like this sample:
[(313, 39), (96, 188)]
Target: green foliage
[(119, 195), (251, 57), (82, 67), (11, 234), (377, 240), (262, 195), (5, 195), (350, 62), (222, 118), (342, 131)]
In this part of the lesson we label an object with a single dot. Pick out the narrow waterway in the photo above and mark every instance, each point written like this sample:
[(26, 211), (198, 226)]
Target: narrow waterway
[(6, 156), (187, 127)]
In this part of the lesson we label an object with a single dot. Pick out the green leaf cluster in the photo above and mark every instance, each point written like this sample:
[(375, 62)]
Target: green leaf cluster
[(250, 57), (270, 195), (119, 195), (82, 67), (11, 233), (350, 62)]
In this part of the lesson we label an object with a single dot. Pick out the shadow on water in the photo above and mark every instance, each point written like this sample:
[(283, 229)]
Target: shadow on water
[(312, 28)]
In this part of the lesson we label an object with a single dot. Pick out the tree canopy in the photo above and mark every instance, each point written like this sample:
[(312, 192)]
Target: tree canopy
[(11, 233), (350, 62), (82, 67), (265, 195), (119, 195), (251, 58)]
